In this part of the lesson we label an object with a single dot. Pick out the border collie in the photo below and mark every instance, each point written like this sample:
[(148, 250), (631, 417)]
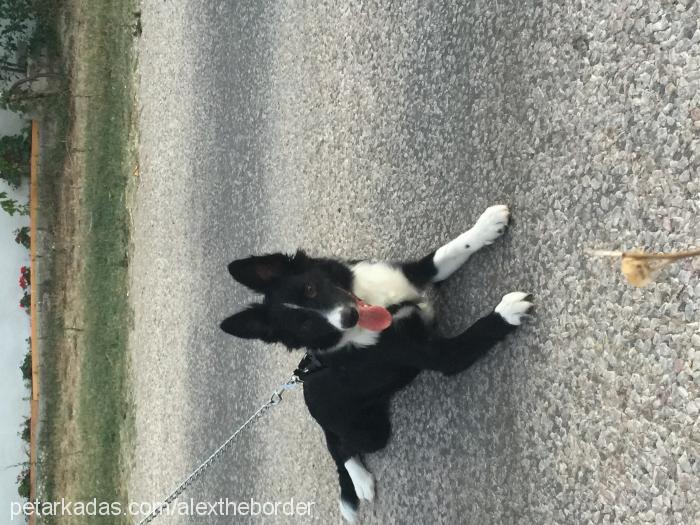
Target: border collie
[(368, 332)]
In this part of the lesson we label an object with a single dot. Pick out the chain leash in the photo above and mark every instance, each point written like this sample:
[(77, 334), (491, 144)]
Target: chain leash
[(275, 398)]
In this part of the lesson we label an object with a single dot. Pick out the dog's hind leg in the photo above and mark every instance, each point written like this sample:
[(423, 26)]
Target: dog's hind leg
[(349, 501), (443, 262), (368, 432), (362, 479), (356, 482)]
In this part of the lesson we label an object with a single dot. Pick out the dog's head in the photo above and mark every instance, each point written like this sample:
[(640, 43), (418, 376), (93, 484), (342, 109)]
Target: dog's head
[(307, 302)]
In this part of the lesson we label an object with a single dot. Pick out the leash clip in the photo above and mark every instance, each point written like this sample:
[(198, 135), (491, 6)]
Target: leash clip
[(292, 383)]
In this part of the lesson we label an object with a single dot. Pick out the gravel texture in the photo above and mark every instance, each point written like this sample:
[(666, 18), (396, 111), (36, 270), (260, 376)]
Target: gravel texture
[(383, 129)]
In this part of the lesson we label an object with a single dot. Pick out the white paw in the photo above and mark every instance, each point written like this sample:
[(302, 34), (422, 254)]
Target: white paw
[(514, 307), (490, 225), (362, 480), (364, 486), (348, 511)]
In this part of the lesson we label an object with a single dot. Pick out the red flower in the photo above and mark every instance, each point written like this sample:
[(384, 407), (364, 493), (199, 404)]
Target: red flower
[(24, 278)]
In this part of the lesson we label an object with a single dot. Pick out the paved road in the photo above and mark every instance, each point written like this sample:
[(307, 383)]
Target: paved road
[(383, 129)]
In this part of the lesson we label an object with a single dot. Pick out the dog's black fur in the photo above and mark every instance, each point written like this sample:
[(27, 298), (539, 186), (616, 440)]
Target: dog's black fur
[(349, 395)]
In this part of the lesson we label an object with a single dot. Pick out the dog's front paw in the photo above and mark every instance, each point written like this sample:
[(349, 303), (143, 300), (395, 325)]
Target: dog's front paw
[(491, 225), (514, 307)]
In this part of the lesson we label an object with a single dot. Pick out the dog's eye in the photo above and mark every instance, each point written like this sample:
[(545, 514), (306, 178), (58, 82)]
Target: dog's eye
[(310, 290)]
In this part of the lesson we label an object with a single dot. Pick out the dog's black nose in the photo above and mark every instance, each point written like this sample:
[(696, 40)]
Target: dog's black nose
[(349, 317)]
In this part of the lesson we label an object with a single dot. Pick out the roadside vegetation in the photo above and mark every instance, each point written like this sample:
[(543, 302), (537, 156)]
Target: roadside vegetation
[(23, 38), (88, 157)]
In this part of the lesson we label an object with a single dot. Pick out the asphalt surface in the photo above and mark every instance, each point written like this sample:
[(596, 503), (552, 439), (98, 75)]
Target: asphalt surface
[(383, 129)]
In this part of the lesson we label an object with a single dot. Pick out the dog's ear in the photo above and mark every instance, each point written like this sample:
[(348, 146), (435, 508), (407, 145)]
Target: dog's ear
[(251, 323), (259, 272)]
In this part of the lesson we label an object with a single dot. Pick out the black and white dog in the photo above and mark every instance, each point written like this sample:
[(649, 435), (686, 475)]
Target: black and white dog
[(369, 330)]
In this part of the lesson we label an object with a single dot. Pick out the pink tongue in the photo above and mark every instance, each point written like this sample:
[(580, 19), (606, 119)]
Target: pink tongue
[(374, 318)]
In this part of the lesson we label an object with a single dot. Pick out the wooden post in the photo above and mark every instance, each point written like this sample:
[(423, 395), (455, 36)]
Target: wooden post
[(33, 205)]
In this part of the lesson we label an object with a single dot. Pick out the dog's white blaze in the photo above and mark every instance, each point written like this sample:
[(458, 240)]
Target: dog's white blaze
[(381, 284), (361, 479), (334, 317)]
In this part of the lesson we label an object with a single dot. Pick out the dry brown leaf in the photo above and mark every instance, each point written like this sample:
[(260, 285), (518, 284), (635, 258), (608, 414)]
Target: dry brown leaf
[(640, 268), (636, 271)]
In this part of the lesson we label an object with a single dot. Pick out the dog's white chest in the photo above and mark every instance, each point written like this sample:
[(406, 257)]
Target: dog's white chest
[(381, 284)]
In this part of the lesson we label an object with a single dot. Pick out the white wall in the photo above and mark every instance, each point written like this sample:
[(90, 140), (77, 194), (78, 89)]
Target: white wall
[(14, 329)]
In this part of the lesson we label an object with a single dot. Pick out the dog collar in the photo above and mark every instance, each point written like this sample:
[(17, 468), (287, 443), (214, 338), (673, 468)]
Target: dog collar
[(308, 365)]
